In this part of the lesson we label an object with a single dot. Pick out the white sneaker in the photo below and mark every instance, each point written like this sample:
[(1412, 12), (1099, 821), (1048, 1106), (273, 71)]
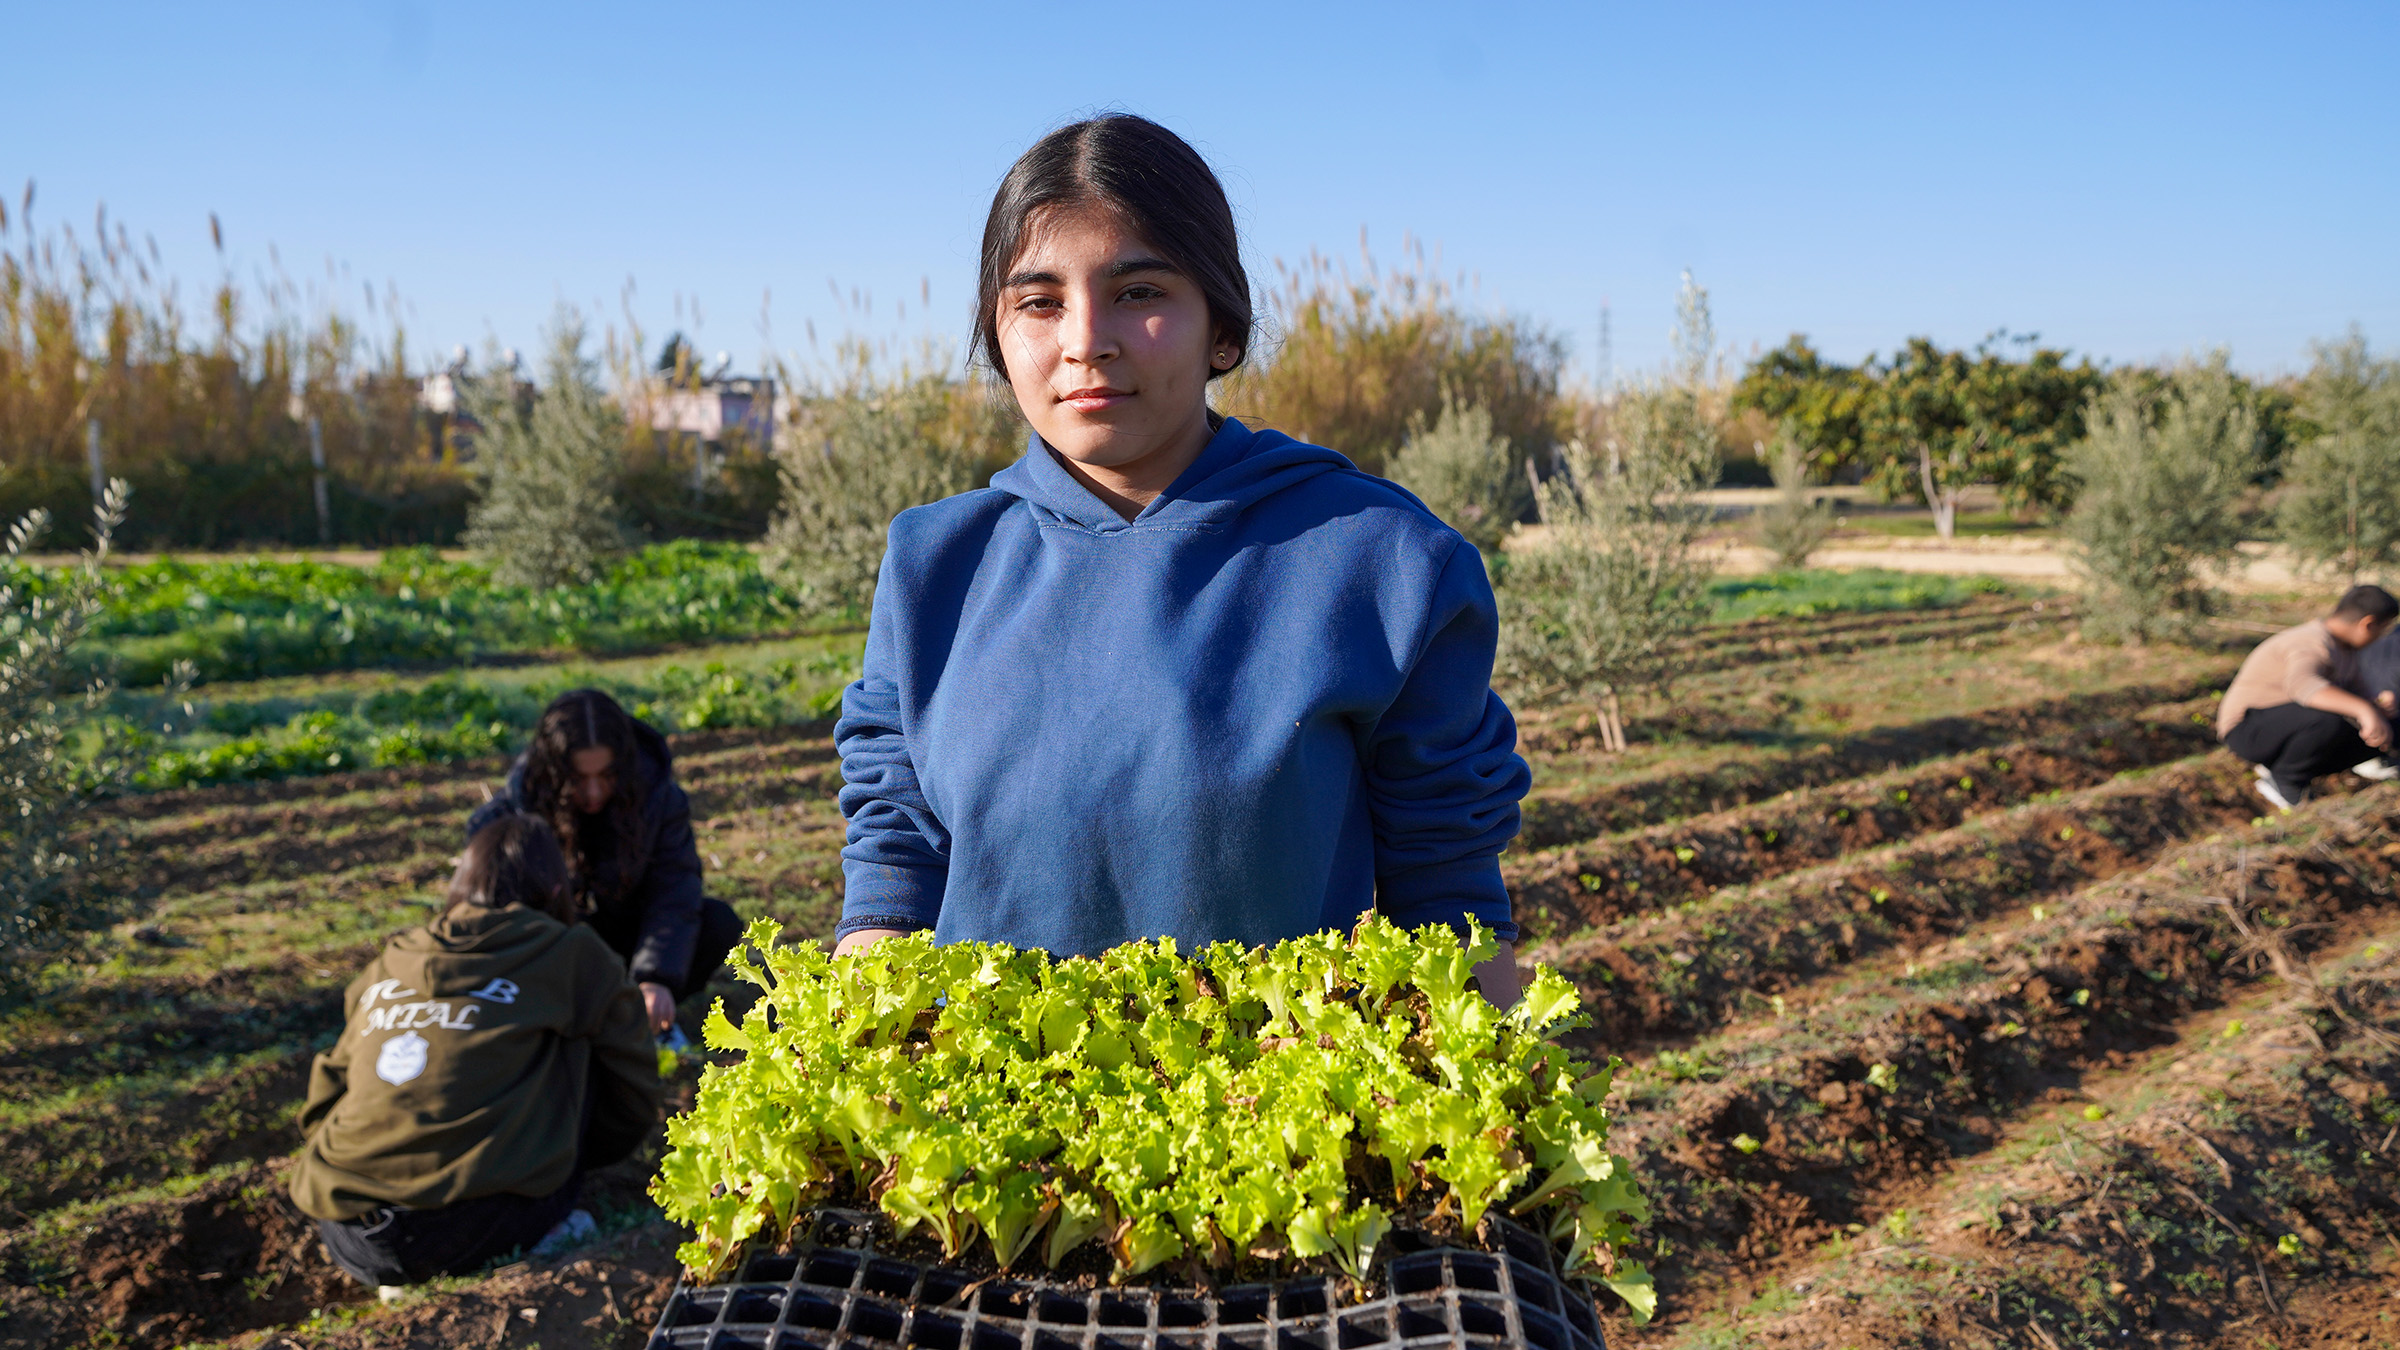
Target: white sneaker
[(2275, 794), (2377, 770), (390, 1293), (572, 1231)]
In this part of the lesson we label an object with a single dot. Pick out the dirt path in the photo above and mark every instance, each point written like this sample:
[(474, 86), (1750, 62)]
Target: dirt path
[(2265, 568)]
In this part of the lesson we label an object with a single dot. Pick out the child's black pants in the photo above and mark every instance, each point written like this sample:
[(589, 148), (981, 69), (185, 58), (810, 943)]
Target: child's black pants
[(410, 1246), (2298, 744)]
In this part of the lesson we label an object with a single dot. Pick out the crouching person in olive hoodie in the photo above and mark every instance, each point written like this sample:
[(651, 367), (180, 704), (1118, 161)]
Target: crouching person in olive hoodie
[(487, 1060)]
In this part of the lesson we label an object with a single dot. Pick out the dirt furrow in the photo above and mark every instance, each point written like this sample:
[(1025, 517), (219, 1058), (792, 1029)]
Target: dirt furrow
[(1706, 657), (1757, 1144), (1777, 628), (1601, 882), (1553, 820), (1690, 970), (119, 1140), (135, 1026), (2242, 1191)]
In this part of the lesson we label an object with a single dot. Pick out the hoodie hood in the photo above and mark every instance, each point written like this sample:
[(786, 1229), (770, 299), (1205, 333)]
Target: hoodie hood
[(472, 938), (1236, 470)]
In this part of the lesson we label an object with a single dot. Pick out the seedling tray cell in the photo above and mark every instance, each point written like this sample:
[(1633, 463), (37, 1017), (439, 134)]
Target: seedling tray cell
[(833, 1291)]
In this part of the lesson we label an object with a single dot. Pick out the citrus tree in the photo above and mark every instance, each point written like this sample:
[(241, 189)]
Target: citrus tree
[(1937, 422)]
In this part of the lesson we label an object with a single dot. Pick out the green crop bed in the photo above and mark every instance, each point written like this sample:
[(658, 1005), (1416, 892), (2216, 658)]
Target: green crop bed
[(250, 619)]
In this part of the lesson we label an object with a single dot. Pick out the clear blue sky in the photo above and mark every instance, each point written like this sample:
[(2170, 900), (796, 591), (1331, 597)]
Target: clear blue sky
[(2133, 181)]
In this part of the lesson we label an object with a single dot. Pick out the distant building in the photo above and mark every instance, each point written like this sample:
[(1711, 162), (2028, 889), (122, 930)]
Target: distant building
[(713, 410)]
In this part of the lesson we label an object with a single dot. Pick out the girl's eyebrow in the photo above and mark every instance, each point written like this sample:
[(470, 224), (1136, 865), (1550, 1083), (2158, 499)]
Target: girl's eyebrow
[(1123, 268)]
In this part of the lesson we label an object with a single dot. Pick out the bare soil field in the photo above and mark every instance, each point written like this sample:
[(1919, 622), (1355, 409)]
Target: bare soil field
[(1966, 999)]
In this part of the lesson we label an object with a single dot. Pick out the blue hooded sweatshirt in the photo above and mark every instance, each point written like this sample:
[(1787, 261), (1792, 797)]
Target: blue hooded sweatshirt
[(1257, 709)]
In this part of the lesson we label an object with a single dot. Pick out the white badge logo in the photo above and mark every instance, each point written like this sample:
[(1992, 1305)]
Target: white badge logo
[(498, 991), (402, 1058)]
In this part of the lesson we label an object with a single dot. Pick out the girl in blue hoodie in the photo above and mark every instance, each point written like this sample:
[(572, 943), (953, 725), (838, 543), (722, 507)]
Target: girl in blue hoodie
[(1166, 676)]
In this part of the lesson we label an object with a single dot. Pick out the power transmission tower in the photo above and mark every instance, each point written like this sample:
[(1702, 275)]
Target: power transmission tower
[(1607, 352)]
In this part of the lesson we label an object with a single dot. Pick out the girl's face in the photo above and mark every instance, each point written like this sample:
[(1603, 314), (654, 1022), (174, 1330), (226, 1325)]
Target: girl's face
[(595, 779), (1108, 348)]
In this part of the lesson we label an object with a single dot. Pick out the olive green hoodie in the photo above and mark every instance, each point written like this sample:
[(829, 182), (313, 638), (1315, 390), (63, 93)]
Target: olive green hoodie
[(464, 1061)]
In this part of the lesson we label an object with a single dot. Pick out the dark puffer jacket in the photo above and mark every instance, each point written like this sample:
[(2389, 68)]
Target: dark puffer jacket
[(2379, 665), (662, 905)]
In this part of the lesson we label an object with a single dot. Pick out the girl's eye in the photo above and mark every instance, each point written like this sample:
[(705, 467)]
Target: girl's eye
[(1141, 294), (1036, 302)]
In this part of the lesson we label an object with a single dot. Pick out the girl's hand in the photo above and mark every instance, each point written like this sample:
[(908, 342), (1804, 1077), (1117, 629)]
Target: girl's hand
[(863, 938), (661, 1002), (1498, 978)]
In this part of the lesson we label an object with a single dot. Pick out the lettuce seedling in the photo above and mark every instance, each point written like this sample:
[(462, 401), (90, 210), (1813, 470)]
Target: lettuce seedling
[(1231, 1106)]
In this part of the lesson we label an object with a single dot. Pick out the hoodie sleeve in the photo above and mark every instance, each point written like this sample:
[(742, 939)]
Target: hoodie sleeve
[(896, 858), (625, 1088), (1443, 776), (670, 891), (329, 1073)]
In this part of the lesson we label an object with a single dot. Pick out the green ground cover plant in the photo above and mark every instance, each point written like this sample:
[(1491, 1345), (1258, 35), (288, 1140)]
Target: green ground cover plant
[(459, 716), (252, 618), (1238, 1106), (1804, 594)]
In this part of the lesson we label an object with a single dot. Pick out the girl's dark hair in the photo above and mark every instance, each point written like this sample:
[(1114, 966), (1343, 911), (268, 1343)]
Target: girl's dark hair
[(515, 860), (581, 719), (1145, 173)]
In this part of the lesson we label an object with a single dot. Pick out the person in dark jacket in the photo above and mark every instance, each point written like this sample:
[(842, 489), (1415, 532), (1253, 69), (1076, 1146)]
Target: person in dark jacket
[(487, 1060), (605, 781)]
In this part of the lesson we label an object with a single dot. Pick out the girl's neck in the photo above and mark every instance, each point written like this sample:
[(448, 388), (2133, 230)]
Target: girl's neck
[(1133, 485)]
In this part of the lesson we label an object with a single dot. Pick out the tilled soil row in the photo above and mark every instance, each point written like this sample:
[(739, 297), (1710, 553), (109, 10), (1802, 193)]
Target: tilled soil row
[(148, 1026), (230, 1256), (1691, 970), (2267, 1167), (1944, 626), (234, 1256), (225, 839), (1847, 1107), (1606, 880), (124, 1140), (1551, 821), (1783, 627)]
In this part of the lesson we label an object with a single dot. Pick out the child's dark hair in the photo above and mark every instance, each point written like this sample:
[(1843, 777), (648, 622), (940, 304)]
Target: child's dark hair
[(581, 719), (2367, 602), (1145, 173), (514, 860)]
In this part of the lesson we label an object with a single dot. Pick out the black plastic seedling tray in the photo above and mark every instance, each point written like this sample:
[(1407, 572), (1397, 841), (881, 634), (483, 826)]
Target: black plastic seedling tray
[(832, 1291)]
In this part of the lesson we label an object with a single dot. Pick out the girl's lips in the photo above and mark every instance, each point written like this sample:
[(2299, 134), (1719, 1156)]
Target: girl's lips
[(1088, 399)]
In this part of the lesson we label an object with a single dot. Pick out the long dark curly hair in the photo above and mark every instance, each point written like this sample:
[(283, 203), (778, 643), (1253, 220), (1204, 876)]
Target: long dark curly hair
[(581, 719)]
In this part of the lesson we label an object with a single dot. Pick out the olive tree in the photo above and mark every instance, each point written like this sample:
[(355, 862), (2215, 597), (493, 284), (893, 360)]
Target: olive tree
[(1465, 472), (546, 510), (855, 459), (2161, 469), (1592, 610), (1795, 524), (2341, 499), (44, 847)]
